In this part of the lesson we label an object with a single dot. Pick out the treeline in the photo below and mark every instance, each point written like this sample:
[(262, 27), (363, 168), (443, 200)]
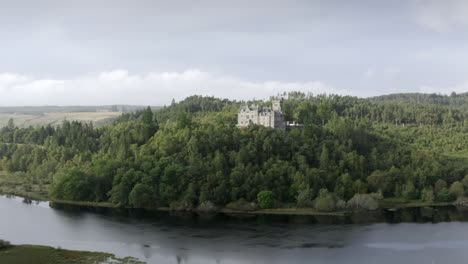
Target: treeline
[(416, 98), (192, 153)]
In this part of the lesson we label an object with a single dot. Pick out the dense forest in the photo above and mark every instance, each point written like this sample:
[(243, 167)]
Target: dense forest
[(407, 146)]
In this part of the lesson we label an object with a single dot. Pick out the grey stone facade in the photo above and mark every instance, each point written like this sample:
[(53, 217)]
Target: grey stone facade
[(265, 116)]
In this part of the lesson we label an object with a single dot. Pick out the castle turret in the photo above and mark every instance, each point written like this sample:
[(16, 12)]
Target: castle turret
[(277, 105)]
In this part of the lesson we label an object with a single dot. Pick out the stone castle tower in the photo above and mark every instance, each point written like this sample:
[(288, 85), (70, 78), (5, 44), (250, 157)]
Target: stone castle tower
[(277, 105)]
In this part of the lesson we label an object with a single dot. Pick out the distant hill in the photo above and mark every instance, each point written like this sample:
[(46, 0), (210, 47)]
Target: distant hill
[(37, 110), (25, 116), (419, 98)]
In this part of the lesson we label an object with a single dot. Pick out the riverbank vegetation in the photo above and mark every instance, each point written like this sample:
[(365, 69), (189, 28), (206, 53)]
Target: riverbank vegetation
[(27, 254), (351, 154)]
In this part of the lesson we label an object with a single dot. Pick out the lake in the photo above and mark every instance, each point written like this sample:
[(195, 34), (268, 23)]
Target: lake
[(405, 236)]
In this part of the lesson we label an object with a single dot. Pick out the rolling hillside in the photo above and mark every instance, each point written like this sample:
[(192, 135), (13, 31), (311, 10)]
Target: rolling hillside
[(26, 116)]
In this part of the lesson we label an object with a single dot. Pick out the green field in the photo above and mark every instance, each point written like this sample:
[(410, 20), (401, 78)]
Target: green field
[(25, 116), (56, 118)]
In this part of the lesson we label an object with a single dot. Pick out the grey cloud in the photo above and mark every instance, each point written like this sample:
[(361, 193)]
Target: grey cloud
[(152, 88), (259, 41), (442, 15)]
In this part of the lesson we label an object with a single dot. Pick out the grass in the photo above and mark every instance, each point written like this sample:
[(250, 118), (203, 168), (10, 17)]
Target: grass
[(17, 184), (28, 254), (393, 202), (286, 211), (12, 184)]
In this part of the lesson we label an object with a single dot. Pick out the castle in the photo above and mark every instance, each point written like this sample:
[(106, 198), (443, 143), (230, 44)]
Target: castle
[(265, 116)]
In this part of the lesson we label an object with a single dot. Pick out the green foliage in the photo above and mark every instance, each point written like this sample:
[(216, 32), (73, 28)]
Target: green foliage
[(142, 196), (409, 192), (439, 185), (304, 198), (445, 196), (192, 152), (465, 181), (265, 199), (457, 189), (362, 202), (325, 202), (427, 195), (73, 185)]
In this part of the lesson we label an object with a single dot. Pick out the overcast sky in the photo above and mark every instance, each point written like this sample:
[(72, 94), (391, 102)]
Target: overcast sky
[(148, 52)]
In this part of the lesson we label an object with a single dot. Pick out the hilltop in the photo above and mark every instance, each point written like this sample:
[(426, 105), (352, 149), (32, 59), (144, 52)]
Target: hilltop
[(350, 153)]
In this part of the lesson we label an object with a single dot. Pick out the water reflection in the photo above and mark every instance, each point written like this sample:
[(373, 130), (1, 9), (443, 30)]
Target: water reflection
[(418, 235)]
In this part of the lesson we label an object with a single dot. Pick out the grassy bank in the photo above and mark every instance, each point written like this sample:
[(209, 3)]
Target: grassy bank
[(389, 203), (287, 211), (28, 254)]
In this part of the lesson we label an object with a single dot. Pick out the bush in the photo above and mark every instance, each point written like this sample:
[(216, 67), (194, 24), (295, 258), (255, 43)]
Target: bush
[(341, 205), (362, 202), (427, 195), (457, 189), (465, 181), (265, 199), (445, 196), (181, 206), (325, 202), (304, 198), (409, 192), (4, 244), (439, 185), (461, 202), (206, 207), (242, 205), (377, 195)]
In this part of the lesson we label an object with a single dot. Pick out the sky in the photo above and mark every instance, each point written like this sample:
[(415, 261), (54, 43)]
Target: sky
[(143, 52)]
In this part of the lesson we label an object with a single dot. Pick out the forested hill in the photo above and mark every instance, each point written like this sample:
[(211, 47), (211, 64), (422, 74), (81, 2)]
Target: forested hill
[(419, 98), (191, 153)]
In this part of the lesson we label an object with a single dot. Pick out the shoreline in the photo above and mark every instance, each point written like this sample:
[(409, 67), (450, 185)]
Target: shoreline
[(383, 205)]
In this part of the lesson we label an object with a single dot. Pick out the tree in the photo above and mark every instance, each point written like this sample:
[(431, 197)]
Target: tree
[(409, 192), (265, 199), (445, 196), (457, 189), (347, 145), (362, 202), (465, 181), (427, 195), (324, 158), (142, 196), (74, 185), (439, 185), (304, 198)]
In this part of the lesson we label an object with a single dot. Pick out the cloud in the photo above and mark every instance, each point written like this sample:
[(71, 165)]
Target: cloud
[(460, 88), (424, 55), (152, 88), (369, 73), (441, 15), (381, 73)]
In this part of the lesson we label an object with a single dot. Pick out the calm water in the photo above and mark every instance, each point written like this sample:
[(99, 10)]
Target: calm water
[(408, 236)]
